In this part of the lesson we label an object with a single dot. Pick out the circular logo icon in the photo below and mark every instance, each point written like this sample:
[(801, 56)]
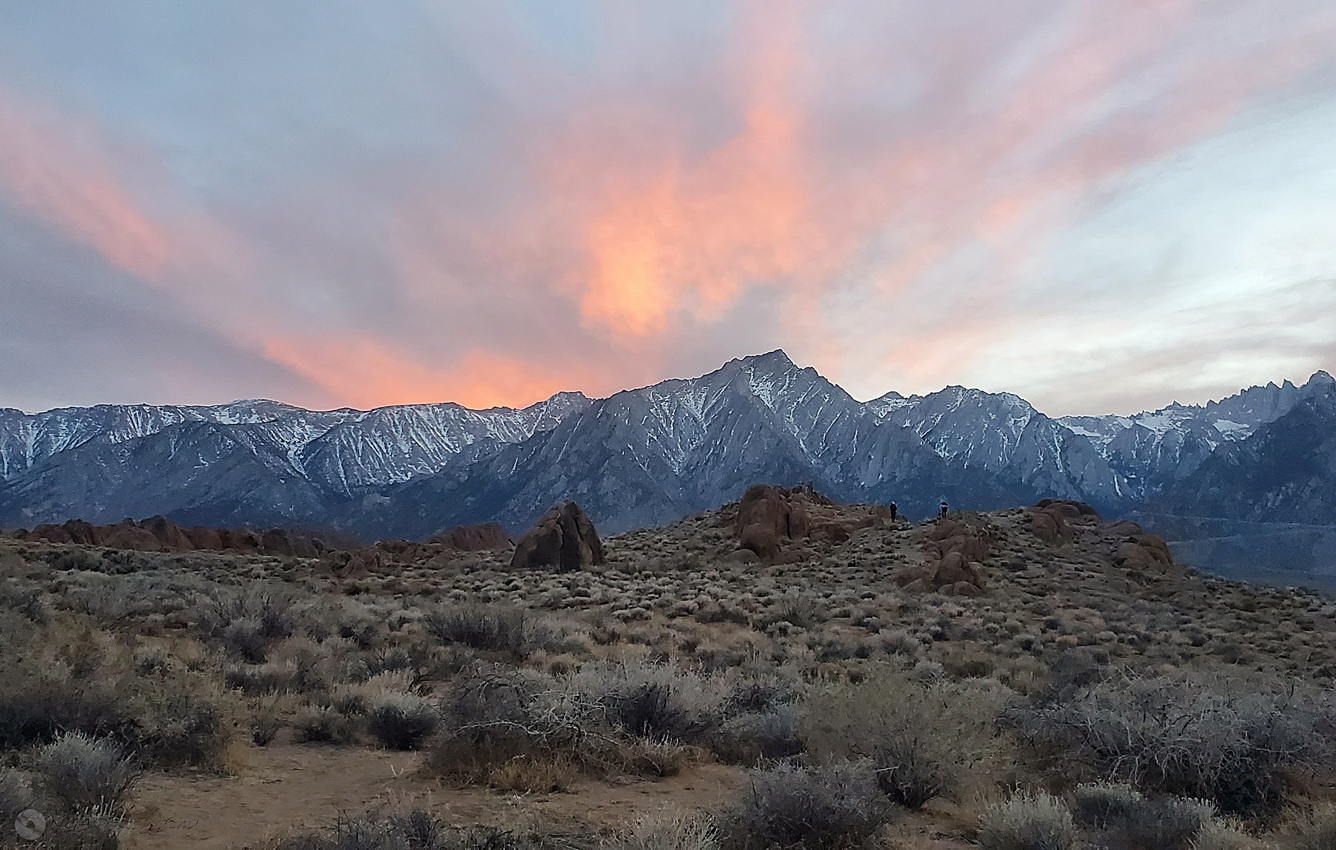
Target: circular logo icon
[(30, 824)]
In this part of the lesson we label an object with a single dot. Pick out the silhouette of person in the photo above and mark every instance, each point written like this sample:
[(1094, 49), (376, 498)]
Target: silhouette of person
[(943, 508), (893, 511)]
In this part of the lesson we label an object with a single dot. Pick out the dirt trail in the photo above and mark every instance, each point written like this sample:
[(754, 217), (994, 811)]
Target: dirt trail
[(286, 789)]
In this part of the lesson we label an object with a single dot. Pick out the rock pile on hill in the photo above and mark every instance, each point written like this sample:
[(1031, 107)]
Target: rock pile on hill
[(766, 516), (160, 534), (484, 537), (564, 538), (954, 551)]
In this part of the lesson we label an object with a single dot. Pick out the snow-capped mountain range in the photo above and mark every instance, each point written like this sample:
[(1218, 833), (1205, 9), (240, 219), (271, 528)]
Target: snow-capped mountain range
[(638, 457)]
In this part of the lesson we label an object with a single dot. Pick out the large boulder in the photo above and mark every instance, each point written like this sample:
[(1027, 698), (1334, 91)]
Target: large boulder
[(768, 513), (204, 538), (172, 536), (484, 537), (1145, 554), (127, 535), (761, 539), (564, 538)]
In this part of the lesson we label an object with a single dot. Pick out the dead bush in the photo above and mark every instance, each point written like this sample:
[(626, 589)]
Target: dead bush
[(489, 628), (493, 718), (246, 625), (1184, 737), (922, 739), (799, 807), (321, 724)]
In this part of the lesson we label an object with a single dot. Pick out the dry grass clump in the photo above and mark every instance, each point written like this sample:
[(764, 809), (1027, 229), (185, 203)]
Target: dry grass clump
[(800, 807), (1028, 822), (923, 739), (401, 721), (670, 831), (1190, 737), (86, 772)]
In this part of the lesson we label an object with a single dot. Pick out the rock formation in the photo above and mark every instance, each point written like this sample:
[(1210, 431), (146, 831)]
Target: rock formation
[(483, 537), (564, 538)]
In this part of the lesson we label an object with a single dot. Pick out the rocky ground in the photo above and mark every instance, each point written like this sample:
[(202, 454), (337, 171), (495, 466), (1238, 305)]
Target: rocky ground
[(963, 681)]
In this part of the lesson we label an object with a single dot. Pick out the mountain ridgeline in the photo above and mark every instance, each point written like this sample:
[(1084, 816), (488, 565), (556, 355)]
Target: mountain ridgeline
[(651, 455)]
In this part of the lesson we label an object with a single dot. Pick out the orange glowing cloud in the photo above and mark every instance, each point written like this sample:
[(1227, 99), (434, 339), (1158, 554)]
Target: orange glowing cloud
[(365, 372), (691, 236), (47, 171)]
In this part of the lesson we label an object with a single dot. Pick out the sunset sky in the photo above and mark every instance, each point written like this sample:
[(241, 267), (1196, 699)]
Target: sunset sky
[(1101, 206)]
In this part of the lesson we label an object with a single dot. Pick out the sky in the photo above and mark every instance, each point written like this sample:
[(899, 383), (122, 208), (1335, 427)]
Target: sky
[(1100, 205)]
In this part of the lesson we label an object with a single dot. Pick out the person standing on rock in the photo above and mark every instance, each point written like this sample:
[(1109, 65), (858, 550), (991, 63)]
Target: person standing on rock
[(943, 508), (893, 509)]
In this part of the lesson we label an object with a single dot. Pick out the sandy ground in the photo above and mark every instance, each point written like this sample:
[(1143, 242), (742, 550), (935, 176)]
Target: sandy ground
[(284, 789)]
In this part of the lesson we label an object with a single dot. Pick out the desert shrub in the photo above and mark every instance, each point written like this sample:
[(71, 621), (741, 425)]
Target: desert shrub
[(246, 625), (1102, 805), (85, 771), (185, 730), (401, 721), (1164, 823), (1185, 737), (493, 717), (39, 710), (1028, 822), (416, 830), (753, 736), (93, 828), (656, 700), (670, 831), (15, 794), (922, 739), (75, 559), (1315, 830), (320, 724), (1218, 836), (799, 807), (489, 628)]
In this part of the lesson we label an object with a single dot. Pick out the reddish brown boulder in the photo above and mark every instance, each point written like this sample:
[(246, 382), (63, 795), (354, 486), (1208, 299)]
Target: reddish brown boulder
[(127, 535), (50, 533), (81, 532), (771, 507), (1067, 508), (564, 538), (204, 538), (1145, 553), (761, 539), (832, 532), (954, 567), (172, 536), (1049, 526), (484, 537), (240, 540), (275, 541)]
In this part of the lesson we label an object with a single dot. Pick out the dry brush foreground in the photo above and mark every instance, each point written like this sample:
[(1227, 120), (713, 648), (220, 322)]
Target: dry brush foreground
[(1030, 679)]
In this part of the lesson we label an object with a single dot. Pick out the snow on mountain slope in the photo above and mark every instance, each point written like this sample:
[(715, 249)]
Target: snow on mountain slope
[(639, 456), (345, 449), (1154, 449)]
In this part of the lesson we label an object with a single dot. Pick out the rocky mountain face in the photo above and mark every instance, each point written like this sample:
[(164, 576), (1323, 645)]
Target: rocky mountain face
[(651, 455)]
